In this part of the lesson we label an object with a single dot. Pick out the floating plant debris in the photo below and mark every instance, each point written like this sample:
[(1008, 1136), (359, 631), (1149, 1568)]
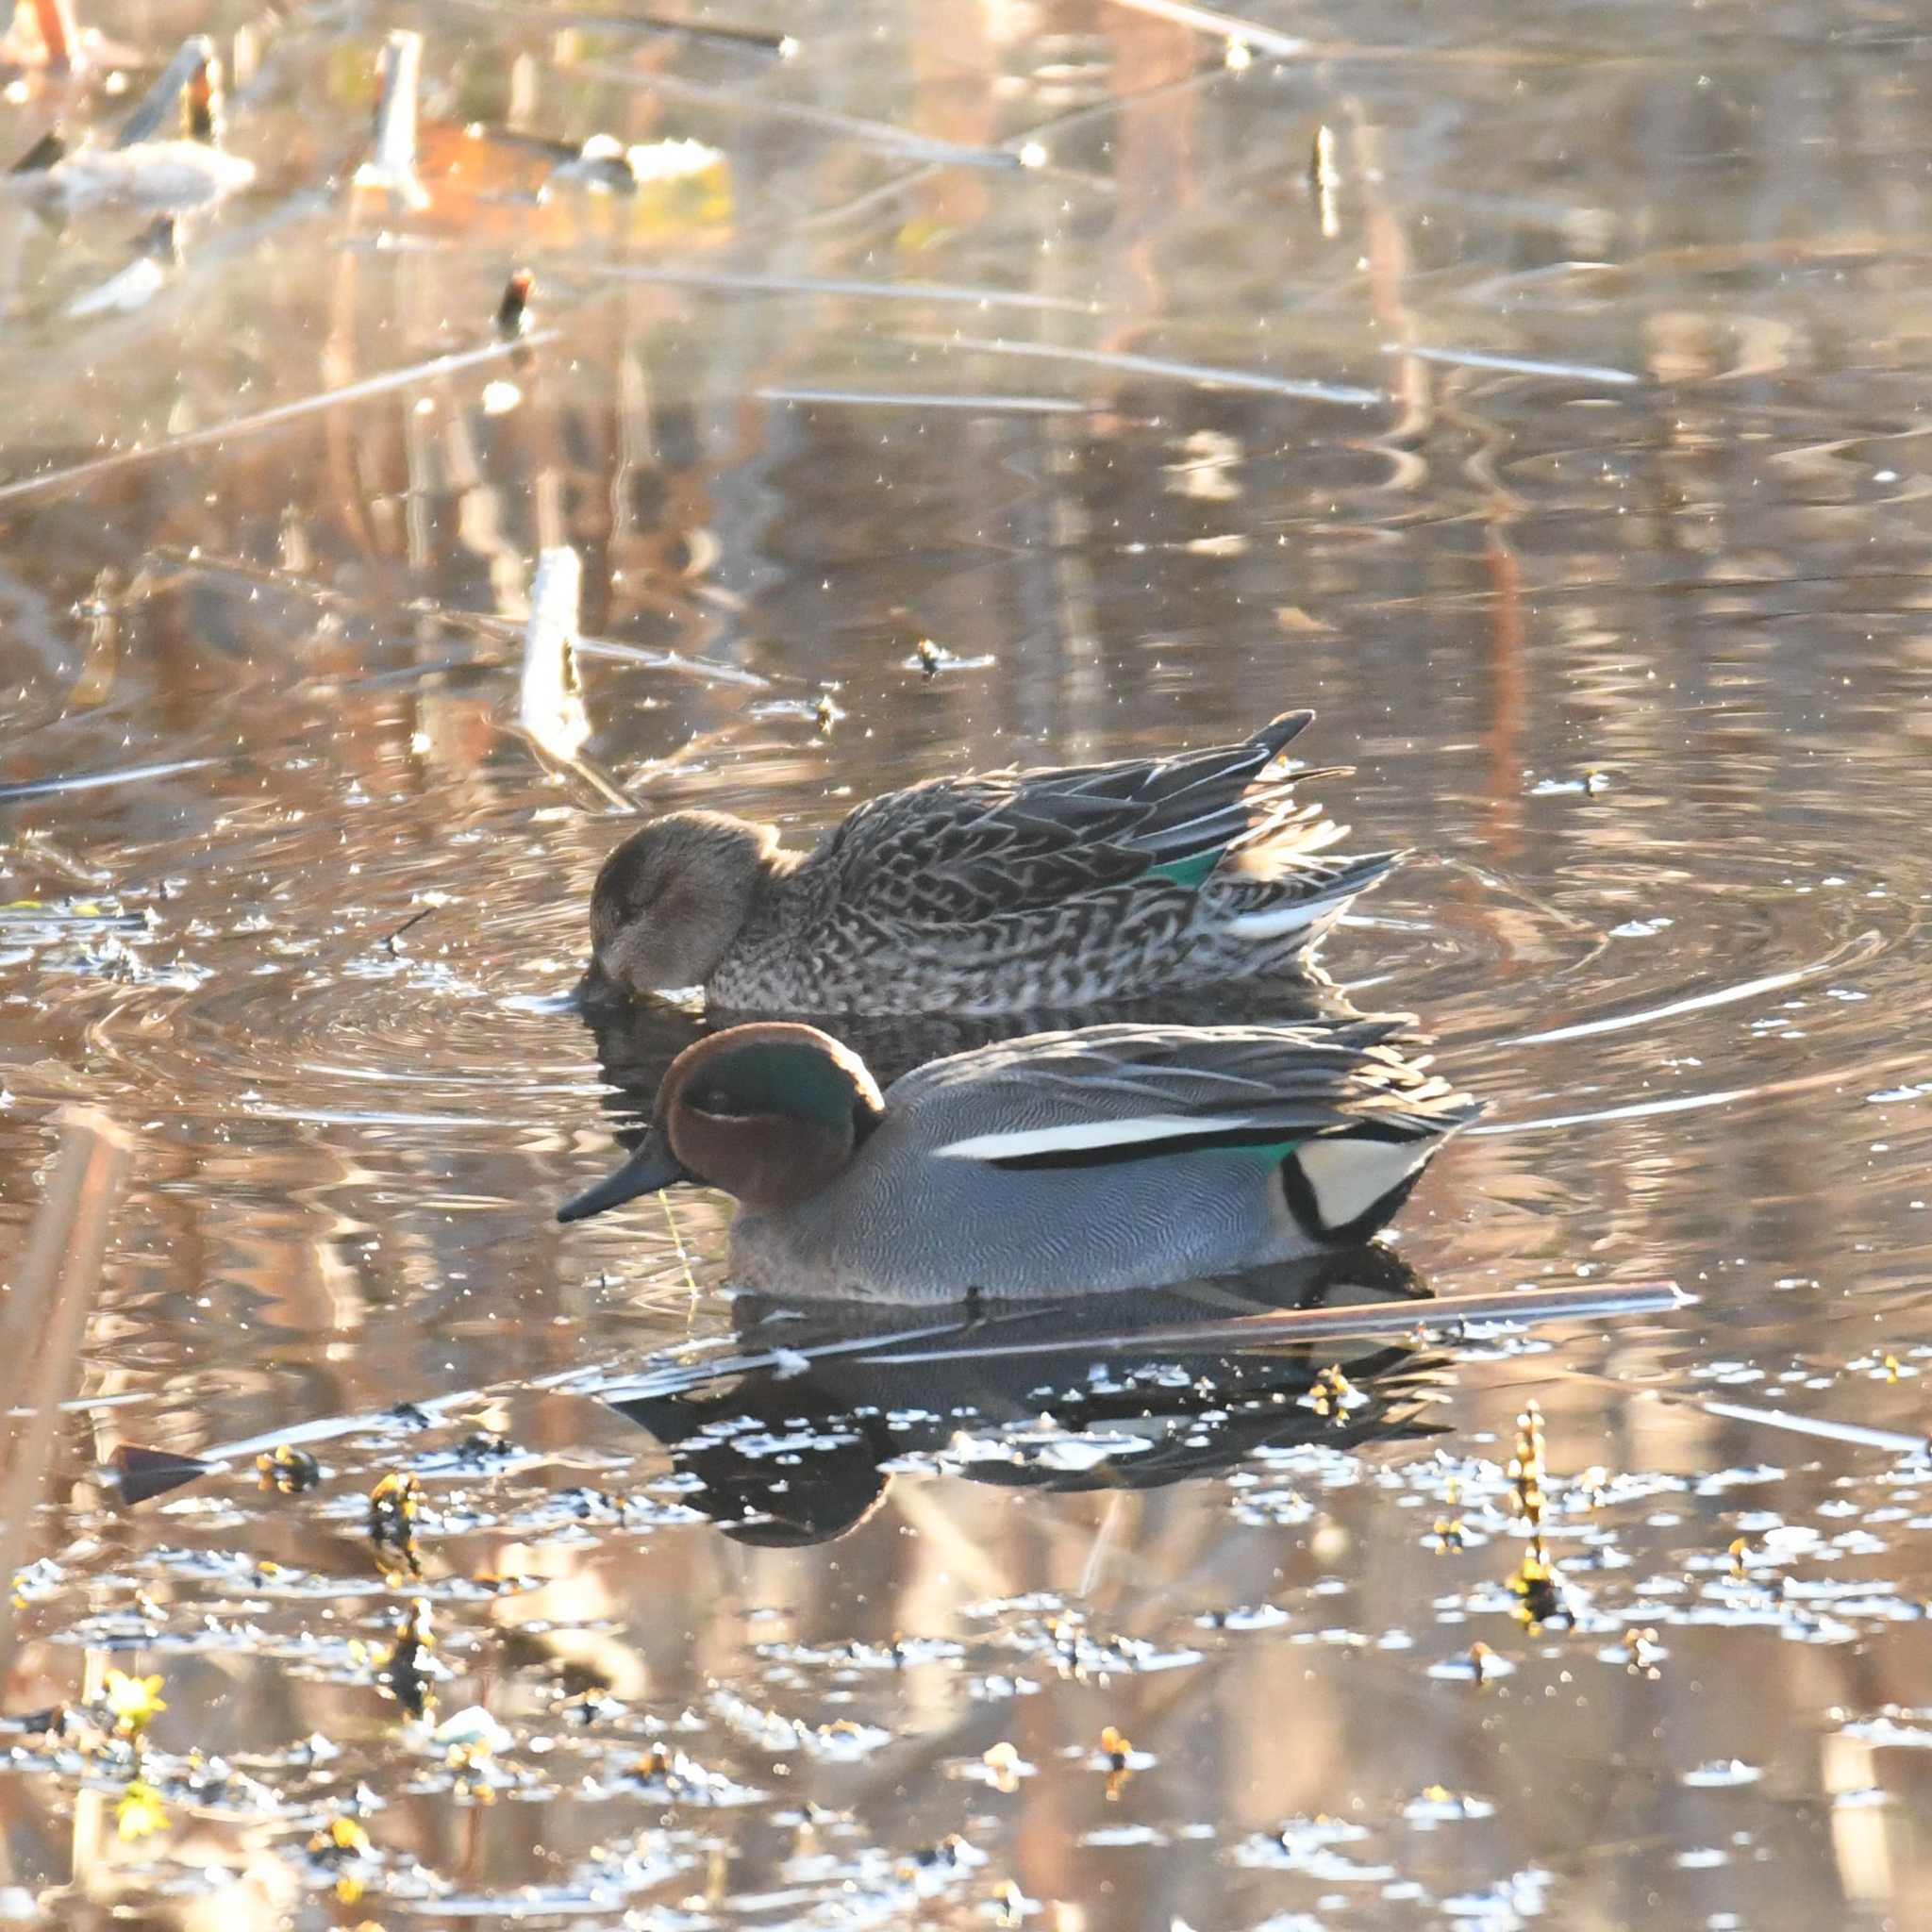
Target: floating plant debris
[(1478, 1664), (132, 1701), (932, 659), (1312, 1845), (289, 1471), (1540, 1588), (1334, 1394), (1640, 1653), (471, 1729), (1437, 1804), (1120, 1761), (672, 1776), (513, 318), (139, 1813), (409, 1670), (392, 1506)]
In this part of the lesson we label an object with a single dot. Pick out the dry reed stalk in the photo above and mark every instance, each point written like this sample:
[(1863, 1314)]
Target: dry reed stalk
[(60, 33)]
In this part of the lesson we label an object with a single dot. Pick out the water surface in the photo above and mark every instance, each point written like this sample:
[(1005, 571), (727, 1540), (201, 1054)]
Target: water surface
[(1610, 591)]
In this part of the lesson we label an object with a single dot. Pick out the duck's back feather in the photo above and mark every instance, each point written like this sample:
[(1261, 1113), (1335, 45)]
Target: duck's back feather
[(1131, 1089), (958, 851)]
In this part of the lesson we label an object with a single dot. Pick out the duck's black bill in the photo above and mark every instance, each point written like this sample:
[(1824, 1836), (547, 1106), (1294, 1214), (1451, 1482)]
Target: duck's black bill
[(653, 1166), (141, 1475)]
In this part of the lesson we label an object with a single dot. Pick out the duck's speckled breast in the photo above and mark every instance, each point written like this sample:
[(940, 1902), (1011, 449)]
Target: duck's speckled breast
[(1120, 944)]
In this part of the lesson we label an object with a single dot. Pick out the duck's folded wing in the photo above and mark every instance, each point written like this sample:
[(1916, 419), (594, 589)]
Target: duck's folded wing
[(957, 851), (1106, 1094)]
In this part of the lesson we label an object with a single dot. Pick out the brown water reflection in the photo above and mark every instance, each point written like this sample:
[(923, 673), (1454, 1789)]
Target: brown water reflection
[(1629, 645)]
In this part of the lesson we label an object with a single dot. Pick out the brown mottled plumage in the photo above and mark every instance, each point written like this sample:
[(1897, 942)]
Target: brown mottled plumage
[(991, 893)]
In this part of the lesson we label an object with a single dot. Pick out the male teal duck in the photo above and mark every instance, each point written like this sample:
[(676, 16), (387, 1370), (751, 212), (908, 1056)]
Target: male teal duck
[(991, 894), (1105, 1159)]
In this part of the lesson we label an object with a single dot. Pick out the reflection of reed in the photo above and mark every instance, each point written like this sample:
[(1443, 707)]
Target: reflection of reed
[(51, 1285)]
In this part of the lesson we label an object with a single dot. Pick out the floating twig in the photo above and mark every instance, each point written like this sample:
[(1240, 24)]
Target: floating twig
[(680, 1379), (732, 282), (99, 781), (140, 1475), (1430, 1321), (220, 434), (550, 702), (1823, 1428), (707, 669), (1859, 1435), (414, 919), (1324, 178), (930, 399), (1511, 365), (1204, 373), (1222, 27)]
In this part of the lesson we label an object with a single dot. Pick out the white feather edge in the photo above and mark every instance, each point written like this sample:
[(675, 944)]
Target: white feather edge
[(1019, 1142), (1285, 919)]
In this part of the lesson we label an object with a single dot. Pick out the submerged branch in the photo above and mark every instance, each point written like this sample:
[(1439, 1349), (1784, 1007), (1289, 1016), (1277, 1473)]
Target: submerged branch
[(1427, 1320), (217, 434), (1206, 375)]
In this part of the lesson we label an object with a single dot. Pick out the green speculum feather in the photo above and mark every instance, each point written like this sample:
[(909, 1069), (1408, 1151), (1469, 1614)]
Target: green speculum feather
[(1188, 872), (1269, 1153)]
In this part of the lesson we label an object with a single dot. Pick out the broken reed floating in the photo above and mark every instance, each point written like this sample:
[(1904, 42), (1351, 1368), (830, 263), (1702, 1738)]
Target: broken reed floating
[(50, 1292), (1427, 1320)]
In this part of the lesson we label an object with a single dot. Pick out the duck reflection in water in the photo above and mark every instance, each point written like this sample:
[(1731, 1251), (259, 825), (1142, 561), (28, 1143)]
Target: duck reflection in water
[(795, 1439)]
